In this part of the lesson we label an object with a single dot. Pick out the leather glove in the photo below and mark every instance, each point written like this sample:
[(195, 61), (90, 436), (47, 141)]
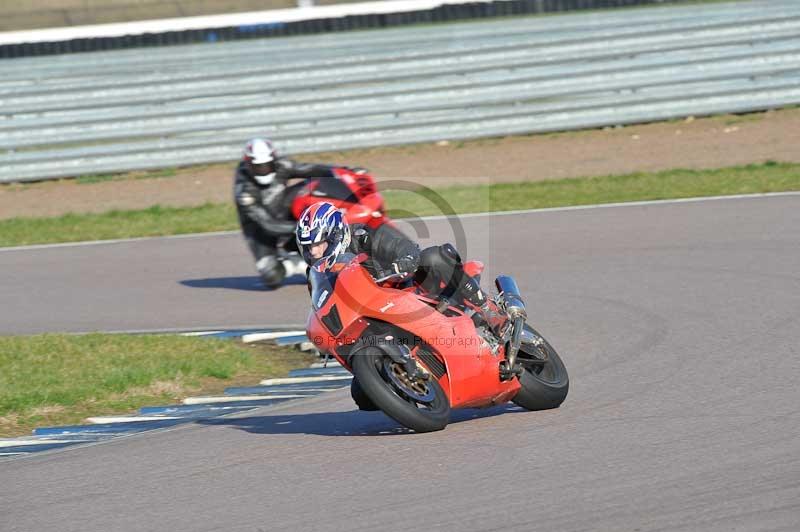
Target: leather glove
[(407, 264), (362, 240)]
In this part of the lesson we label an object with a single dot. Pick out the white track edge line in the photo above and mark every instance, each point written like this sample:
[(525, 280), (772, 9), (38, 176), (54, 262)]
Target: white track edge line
[(300, 380), (237, 398), (116, 241), (98, 420), (644, 203), (30, 442), (259, 337), (697, 199)]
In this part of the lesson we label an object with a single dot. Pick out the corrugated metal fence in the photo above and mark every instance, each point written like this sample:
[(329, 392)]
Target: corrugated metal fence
[(124, 110)]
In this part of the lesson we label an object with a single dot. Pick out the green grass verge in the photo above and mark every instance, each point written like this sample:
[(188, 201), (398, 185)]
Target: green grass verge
[(57, 379), (154, 221), (760, 178), (158, 221)]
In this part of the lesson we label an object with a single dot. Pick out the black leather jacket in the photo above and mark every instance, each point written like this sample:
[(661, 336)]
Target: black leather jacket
[(389, 250), (265, 210)]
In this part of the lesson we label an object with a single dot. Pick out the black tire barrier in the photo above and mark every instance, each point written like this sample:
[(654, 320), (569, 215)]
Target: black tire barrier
[(441, 14)]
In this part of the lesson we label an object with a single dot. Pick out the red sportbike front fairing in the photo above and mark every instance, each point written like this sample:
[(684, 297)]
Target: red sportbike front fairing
[(352, 191), (415, 358)]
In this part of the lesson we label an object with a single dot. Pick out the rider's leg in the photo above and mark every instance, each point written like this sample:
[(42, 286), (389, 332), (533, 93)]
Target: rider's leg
[(269, 267), (272, 271), (293, 261), (441, 273), (435, 272)]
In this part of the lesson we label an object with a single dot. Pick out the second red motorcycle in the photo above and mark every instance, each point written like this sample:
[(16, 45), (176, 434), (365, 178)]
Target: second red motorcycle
[(353, 192)]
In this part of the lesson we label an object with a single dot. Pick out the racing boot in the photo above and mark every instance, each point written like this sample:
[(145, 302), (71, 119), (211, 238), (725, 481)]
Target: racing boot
[(293, 264), (272, 271), (486, 309)]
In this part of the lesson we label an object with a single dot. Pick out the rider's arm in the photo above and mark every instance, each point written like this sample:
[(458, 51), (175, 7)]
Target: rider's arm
[(392, 249), (295, 170), (248, 201)]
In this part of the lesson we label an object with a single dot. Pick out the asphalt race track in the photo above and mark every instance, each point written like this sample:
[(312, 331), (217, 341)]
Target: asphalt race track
[(679, 324)]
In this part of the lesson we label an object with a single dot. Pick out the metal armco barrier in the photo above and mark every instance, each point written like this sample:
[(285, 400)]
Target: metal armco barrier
[(311, 24), (127, 110)]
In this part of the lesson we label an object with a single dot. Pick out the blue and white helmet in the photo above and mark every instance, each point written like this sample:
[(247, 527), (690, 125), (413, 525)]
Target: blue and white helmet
[(322, 222)]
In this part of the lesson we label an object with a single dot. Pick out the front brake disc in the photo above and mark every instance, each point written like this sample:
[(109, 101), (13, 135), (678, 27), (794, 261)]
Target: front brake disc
[(416, 389)]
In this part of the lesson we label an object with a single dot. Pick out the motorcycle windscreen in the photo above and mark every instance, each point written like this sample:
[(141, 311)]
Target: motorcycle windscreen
[(333, 188), (323, 282)]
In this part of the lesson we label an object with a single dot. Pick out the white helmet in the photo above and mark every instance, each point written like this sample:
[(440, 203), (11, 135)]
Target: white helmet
[(260, 157)]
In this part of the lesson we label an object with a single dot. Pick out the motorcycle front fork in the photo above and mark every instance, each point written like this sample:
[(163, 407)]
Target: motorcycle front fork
[(509, 368)]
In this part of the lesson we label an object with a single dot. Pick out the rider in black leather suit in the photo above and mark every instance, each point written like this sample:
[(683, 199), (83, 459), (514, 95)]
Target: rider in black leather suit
[(438, 269), (263, 199)]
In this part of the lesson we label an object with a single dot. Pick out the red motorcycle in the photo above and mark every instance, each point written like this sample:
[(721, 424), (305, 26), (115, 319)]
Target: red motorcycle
[(352, 191), (415, 358)]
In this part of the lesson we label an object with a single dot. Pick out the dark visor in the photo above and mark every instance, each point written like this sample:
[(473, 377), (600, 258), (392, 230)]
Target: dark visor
[(263, 168)]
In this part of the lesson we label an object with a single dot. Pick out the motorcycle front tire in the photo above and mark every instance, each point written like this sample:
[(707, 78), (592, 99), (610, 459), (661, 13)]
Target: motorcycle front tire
[(367, 368)]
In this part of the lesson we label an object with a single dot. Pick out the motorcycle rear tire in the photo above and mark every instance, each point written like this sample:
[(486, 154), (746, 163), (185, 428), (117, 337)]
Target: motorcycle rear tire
[(546, 388), (367, 363)]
